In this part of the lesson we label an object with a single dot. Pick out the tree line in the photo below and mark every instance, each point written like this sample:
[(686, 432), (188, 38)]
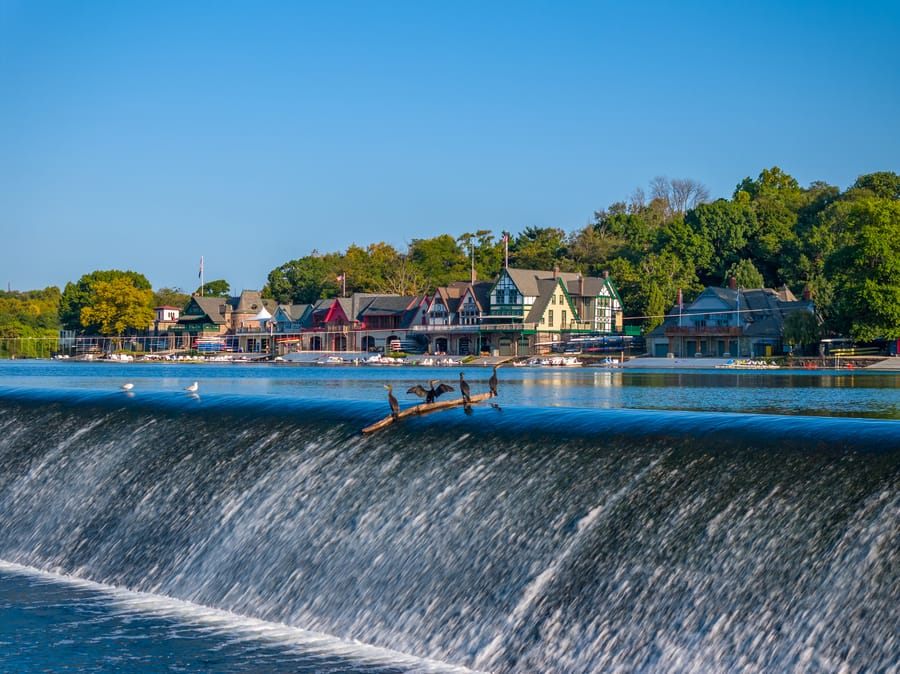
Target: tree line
[(843, 247)]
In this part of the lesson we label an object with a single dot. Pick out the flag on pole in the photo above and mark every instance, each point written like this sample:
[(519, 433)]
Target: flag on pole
[(340, 277), (200, 273)]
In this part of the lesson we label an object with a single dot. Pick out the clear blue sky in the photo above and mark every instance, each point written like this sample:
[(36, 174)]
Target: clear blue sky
[(141, 135)]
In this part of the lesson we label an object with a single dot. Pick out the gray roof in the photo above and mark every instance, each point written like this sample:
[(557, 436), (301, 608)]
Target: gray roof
[(528, 280), (763, 310), (545, 290), (293, 311)]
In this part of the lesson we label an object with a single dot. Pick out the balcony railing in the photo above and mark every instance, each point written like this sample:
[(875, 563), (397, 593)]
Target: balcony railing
[(507, 327), (444, 328), (704, 330)]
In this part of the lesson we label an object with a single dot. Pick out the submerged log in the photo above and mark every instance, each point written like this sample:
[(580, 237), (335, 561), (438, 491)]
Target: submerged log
[(425, 408)]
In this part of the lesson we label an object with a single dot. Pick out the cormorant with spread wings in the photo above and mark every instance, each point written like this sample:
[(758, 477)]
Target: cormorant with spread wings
[(430, 394)]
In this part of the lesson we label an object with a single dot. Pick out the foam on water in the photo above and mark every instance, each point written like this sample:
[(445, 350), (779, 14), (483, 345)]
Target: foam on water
[(230, 628)]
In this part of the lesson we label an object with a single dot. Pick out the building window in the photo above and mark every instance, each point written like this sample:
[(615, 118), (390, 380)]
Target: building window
[(563, 319), (550, 317)]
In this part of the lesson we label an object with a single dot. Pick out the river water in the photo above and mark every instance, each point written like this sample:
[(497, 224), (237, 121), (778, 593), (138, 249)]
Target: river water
[(590, 521)]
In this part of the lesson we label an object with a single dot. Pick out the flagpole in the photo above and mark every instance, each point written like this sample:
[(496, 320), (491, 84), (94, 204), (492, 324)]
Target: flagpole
[(201, 276)]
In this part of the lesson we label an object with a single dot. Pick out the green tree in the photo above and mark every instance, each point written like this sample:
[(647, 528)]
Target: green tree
[(117, 306), (721, 228), (882, 185), (78, 295), (801, 330), (405, 278), (486, 250), (29, 322), (539, 248), (440, 259), (591, 246), (745, 274), (217, 288), (866, 273), (300, 281), (170, 297)]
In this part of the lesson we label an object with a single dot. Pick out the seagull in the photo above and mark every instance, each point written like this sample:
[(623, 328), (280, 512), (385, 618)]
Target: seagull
[(127, 387), (193, 387)]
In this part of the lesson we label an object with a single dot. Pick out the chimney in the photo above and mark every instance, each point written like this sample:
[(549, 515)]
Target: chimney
[(581, 285), (732, 283), (606, 273), (555, 271), (807, 294)]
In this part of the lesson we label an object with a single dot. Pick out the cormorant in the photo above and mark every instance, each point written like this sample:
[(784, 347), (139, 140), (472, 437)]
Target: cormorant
[(392, 401), (492, 382), (464, 389), (431, 394), (193, 387)]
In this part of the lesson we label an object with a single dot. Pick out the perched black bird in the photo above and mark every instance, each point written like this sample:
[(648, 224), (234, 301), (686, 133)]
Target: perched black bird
[(392, 401), (492, 382), (464, 388), (430, 394)]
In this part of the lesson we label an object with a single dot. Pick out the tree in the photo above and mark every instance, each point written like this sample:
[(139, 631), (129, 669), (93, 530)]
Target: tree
[(300, 281), (440, 259), (882, 185), (170, 297), (29, 322), (677, 195), (591, 246), (217, 288), (487, 253), (722, 228), (404, 279), (539, 248), (118, 305), (745, 274), (801, 328), (866, 273), (78, 295)]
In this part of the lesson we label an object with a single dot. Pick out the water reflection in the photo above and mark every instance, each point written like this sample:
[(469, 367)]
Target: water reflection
[(792, 392)]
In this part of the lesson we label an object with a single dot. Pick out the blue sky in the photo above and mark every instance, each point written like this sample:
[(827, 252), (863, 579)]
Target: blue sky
[(142, 135)]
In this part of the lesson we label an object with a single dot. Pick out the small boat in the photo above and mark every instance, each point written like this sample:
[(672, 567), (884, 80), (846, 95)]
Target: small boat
[(331, 360)]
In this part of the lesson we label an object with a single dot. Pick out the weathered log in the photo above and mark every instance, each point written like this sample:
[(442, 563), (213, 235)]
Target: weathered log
[(425, 408)]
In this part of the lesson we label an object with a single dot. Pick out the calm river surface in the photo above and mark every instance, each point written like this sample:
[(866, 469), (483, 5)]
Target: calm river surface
[(784, 392)]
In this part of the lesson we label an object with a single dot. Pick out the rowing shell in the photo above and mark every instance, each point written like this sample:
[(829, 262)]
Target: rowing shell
[(424, 408)]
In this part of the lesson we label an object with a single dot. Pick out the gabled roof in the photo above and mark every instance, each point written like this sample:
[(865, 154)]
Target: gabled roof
[(546, 290), (291, 312), (412, 310), (382, 305), (527, 281), (482, 292), (204, 309), (762, 309)]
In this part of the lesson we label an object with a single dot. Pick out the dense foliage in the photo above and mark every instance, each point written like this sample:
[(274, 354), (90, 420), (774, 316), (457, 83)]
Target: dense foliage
[(87, 306), (842, 247), (26, 320)]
